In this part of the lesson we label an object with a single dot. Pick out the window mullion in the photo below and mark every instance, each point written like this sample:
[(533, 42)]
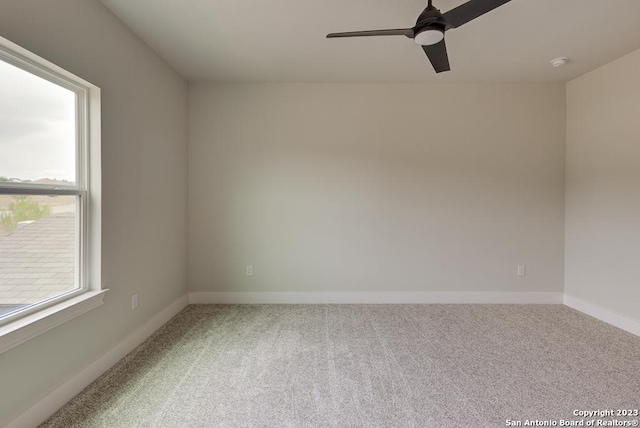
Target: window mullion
[(33, 190)]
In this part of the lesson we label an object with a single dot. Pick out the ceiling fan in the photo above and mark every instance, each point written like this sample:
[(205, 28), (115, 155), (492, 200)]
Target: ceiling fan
[(431, 26)]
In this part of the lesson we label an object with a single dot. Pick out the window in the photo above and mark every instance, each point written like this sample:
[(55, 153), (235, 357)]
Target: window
[(49, 185)]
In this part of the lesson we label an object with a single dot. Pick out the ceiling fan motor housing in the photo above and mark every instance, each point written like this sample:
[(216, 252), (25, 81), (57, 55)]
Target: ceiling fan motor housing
[(430, 14), (429, 28)]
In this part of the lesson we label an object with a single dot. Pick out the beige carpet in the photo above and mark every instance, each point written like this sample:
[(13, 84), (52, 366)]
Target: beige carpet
[(364, 366)]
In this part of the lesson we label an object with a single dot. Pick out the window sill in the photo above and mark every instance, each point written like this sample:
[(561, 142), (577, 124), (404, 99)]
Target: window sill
[(26, 328)]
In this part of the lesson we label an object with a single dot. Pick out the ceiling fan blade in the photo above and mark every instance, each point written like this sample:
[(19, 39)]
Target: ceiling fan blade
[(438, 57), (407, 32), (470, 11)]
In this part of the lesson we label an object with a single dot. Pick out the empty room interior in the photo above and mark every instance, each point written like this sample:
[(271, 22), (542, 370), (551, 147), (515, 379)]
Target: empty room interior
[(319, 213)]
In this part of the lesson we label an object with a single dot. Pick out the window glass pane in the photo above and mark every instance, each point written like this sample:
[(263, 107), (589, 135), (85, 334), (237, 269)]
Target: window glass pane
[(38, 247), (37, 129)]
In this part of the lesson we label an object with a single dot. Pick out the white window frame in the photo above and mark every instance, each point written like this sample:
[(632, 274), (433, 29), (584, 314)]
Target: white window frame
[(38, 318)]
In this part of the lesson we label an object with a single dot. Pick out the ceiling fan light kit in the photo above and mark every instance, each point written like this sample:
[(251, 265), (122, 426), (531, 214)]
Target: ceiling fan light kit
[(431, 26), (429, 37)]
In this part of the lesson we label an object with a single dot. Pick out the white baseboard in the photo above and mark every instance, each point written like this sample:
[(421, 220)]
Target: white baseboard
[(603, 314), (401, 297), (48, 405)]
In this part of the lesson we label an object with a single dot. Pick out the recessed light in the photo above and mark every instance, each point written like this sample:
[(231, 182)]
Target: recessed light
[(559, 62)]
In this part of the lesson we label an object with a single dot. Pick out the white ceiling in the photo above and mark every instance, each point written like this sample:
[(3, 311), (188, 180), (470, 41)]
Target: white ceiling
[(284, 40)]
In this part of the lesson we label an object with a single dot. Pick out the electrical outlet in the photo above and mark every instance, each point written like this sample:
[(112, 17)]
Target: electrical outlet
[(134, 301), (522, 270), (249, 270)]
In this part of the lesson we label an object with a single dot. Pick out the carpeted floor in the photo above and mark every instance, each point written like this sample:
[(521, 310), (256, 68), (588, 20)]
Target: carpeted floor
[(364, 366)]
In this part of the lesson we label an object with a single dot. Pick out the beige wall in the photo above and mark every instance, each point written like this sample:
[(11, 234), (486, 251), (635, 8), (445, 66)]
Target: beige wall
[(376, 187), (144, 154), (389, 187), (603, 180)]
